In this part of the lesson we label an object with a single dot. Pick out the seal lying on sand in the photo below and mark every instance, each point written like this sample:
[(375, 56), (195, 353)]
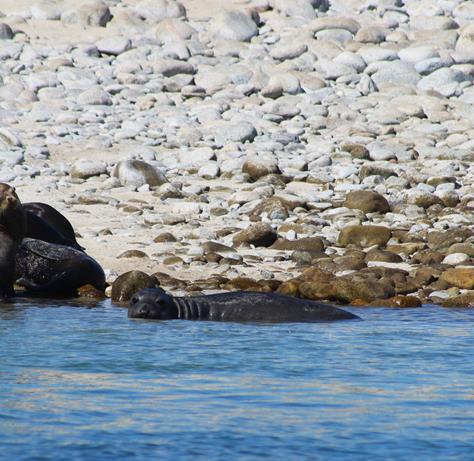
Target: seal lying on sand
[(48, 269), (237, 306), (46, 223)]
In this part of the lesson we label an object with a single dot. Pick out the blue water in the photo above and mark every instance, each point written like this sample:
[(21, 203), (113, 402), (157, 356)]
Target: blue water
[(80, 383)]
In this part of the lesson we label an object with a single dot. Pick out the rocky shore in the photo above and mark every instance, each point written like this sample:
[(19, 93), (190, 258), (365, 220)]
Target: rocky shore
[(315, 147)]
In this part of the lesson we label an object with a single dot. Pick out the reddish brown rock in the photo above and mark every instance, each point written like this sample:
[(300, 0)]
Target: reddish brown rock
[(367, 201), (383, 256), (90, 291), (258, 168), (356, 150), (439, 240), (461, 277), (313, 244), (364, 236), (248, 284), (259, 235), (130, 282), (464, 300), (397, 301)]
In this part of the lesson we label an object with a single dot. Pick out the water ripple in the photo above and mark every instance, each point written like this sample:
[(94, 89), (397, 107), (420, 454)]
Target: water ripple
[(80, 383)]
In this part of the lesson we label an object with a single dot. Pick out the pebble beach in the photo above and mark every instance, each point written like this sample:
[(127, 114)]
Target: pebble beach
[(317, 148)]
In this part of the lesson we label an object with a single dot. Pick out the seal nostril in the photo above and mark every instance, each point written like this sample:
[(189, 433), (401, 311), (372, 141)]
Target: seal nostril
[(143, 311)]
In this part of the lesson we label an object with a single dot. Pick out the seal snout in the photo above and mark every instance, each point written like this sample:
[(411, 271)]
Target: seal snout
[(142, 310)]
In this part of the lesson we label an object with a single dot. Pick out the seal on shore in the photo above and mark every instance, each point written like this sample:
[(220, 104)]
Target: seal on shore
[(12, 213), (46, 223), (8, 248), (12, 231), (236, 306), (48, 269)]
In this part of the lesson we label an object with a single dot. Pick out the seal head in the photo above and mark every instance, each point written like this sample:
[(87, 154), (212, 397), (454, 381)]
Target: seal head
[(152, 303), (12, 214)]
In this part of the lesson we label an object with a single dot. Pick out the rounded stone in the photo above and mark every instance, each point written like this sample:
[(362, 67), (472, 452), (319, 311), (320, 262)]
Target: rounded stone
[(137, 173), (364, 236), (259, 235), (367, 201), (87, 168), (127, 284)]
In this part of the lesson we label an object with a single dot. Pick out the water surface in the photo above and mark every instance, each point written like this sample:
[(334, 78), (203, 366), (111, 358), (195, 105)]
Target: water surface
[(88, 383)]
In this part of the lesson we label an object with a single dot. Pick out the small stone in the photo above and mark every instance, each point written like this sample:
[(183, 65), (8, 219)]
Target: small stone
[(6, 32), (257, 167), (371, 34), (171, 67), (113, 45), (282, 52), (133, 254)]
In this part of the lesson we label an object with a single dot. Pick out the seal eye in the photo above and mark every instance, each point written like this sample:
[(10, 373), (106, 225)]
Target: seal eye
[(134, 300)]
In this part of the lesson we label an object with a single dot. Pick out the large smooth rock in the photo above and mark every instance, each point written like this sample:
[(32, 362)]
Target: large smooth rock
[(367, 201), (465, 43), (84, 169), (157, 10), (127, 284), (303, 9), (95, 96), (364, 236), (461, 277), (92, 13), (138, 173), (259, 235), (234, 25)]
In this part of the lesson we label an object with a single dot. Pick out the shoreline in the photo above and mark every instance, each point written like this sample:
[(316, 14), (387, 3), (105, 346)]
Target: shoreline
[(265, 120)]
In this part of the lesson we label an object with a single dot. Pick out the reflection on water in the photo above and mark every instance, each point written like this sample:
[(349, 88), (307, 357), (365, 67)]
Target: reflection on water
[(80, 383)]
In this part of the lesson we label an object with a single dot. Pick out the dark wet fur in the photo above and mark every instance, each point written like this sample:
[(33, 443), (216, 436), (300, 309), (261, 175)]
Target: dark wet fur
[(46, 223), (238, 306), (47, 269), (7, 264)]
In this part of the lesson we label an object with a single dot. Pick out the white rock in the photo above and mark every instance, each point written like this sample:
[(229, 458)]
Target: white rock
[(454, 259)]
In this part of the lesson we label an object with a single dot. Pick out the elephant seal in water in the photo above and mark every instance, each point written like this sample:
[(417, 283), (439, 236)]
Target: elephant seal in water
[(236, 306), (48, 269), (43, 222)]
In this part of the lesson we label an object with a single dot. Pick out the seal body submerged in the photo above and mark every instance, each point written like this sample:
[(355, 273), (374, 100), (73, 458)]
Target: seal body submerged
[(48, 269), (237, 306)]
